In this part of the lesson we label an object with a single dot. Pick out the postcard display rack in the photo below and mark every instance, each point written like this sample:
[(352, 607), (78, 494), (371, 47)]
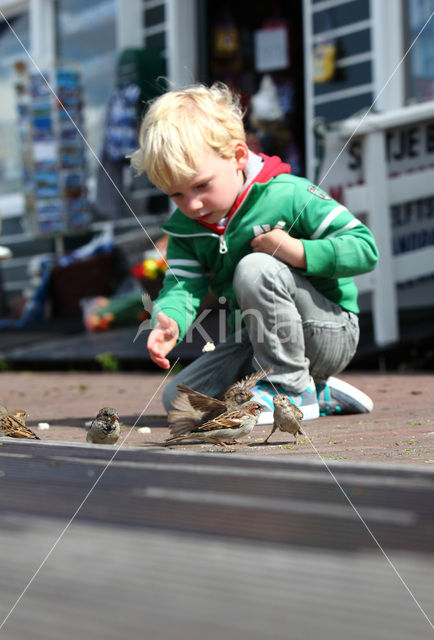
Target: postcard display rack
[(54, 153)]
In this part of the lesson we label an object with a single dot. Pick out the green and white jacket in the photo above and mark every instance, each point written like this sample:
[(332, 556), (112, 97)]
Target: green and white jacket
[(202, 258)]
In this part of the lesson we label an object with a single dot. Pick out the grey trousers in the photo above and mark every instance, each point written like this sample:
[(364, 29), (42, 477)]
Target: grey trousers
[(287, 325)]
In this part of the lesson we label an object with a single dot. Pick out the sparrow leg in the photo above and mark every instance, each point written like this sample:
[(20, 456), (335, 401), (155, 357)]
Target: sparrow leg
[(269, 436), (299, 433)]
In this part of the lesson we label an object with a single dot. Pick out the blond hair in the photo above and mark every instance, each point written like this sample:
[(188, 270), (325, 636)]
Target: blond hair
[(180, 126)]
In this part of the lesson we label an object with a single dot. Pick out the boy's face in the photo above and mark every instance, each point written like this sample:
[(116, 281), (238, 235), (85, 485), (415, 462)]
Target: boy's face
[(210, 194)]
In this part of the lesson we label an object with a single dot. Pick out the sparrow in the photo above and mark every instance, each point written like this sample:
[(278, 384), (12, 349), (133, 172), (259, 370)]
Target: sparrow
[(225, 428), (287, 417), (13, 424), (192, 408), (105, 428)]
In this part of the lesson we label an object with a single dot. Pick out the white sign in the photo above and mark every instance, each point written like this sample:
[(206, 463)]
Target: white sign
[(44, 151), (408, 149), (271, 49)]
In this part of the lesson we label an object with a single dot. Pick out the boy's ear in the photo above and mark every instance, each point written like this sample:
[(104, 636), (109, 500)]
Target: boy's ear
[(241, 152)]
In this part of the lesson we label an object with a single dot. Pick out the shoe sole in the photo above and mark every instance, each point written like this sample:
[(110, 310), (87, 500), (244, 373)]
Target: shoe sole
[(266, 417), (365, 403)]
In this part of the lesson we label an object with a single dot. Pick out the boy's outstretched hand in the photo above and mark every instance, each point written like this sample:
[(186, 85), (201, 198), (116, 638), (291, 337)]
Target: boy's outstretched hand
[(162, 339)]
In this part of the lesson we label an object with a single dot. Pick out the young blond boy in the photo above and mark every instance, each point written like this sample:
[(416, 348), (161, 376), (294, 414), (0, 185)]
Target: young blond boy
[(276, 247)]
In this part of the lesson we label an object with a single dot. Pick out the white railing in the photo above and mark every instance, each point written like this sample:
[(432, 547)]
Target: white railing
[(375, 197)]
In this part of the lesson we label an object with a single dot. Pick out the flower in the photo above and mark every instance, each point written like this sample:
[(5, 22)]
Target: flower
[(151, 268)]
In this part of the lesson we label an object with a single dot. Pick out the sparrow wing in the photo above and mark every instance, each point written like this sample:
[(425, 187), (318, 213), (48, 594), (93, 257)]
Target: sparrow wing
[(191, 399), (298, 414), (246, 383), (19, 414), (191, 408), (227, 420), (181, 422), (16, 428)]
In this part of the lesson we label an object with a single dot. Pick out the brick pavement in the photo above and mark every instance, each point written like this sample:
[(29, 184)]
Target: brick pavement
[(399, 430)]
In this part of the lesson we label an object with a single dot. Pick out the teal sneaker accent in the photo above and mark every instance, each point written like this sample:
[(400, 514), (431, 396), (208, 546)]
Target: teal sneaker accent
[(264, 393), (338, 397)]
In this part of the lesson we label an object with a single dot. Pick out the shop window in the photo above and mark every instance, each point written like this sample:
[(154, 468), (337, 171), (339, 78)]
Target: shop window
[(420, 60), (257, 50), (86, 40), (11, 53)]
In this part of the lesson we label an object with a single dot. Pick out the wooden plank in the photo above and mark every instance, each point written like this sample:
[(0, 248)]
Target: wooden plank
[(175, 546), (240, 498)]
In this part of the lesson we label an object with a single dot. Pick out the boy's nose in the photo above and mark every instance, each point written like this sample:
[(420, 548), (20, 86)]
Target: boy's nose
[(195, 204)]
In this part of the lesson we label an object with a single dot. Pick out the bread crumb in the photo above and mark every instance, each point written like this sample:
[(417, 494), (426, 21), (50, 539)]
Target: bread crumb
[(144, 430), (210, 346)]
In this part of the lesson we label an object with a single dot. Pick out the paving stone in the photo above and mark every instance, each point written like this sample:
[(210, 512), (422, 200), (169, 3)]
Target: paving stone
[(399, 430)]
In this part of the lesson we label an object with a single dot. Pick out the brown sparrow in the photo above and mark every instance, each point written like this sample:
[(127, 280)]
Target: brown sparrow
[(105, 428), (192, 408), (226, 427), (13, 424), (287, 417)]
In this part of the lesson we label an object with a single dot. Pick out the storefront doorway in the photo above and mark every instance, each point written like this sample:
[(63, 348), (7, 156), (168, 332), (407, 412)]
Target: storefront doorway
[(257, 49)]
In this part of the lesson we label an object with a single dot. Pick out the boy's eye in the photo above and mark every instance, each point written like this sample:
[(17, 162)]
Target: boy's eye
[(203, 185)]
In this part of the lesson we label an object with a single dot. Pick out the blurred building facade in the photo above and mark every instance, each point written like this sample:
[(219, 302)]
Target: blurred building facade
[(313, 75)]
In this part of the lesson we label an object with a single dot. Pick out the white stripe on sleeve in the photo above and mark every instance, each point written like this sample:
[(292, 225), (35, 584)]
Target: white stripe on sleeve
[(183, 262), (353, 223), (186, 274), (327, 221)]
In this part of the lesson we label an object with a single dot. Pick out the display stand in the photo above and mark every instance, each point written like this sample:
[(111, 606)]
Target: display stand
[(53, 152)]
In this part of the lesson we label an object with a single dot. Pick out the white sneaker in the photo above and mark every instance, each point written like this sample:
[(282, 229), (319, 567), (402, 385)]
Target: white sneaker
[(338, 397)]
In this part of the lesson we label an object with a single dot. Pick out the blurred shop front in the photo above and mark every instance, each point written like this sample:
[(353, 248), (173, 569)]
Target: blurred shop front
[(73, 79), (370, 112), (312, 75), (77, 35)]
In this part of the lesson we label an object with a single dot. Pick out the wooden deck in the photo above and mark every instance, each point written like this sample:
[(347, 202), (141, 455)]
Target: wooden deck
[(173, 545)]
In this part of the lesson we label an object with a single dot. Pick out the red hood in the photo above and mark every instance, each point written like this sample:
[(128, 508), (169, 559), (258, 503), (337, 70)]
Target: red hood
[(273, 166)]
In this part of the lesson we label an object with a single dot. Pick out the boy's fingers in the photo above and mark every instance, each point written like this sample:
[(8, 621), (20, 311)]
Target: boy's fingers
[(167, 325), (161, 362), (158, 356), (161, 340), (158, 338)]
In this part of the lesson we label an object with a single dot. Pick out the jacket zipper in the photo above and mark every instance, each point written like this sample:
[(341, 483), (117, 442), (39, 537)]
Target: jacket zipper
[(223, 247)]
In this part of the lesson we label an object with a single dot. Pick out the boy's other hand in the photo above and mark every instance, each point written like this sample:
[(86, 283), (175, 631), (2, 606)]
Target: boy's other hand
[(162, 339), (281, 245)]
